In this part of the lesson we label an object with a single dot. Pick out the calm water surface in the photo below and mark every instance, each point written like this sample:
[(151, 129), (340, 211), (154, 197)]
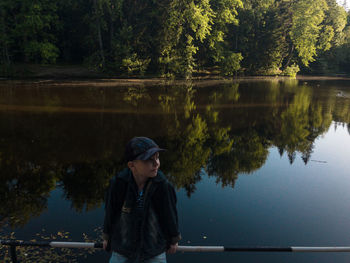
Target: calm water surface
[(255, 163)]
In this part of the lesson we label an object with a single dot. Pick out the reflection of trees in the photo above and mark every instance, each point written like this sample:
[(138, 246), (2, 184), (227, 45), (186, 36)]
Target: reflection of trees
[(190, 153), (190, 141), (225, 131), (249, 153), (192, 135), (300, 123), (34, 151), (85, 184), (135, 95), (341, 110), (294, 131), (24, 189)]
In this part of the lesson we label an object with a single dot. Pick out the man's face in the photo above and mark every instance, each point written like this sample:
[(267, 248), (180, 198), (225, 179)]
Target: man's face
[(148, 168)]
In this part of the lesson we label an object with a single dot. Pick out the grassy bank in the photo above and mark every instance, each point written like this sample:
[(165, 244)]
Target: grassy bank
[(69, 72), (22, 71)]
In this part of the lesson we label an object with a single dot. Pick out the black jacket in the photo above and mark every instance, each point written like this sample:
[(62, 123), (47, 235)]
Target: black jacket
[(134, 233)]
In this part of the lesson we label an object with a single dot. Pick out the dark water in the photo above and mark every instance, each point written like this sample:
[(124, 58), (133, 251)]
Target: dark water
[(255, 163)]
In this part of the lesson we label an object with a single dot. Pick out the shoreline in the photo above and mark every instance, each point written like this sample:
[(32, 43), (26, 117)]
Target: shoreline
[(80, 75), (129, 82)]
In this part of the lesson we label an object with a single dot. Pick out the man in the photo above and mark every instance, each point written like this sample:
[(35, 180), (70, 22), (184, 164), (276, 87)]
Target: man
[(140, 214)]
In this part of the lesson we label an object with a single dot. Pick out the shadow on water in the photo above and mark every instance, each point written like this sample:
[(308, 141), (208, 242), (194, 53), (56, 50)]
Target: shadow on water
[(73, 138)]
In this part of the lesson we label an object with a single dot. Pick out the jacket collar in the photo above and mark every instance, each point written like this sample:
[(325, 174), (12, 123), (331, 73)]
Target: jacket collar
[(126, 174)]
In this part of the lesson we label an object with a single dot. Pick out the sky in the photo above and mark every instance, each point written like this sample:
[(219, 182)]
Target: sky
[(341, 2)]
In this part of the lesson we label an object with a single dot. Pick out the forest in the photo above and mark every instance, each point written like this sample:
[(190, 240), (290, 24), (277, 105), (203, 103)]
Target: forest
[(178, 38)]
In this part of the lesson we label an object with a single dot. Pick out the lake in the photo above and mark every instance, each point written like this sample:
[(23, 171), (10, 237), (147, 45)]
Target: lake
[(255, 162)]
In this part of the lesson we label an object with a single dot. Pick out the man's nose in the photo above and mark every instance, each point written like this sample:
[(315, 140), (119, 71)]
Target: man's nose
[(156, 162)]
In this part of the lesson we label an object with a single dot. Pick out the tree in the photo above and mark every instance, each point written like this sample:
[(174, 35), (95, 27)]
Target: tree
[(259, 37), (188, 23), (5, 38), (307, 18), (34, 31)]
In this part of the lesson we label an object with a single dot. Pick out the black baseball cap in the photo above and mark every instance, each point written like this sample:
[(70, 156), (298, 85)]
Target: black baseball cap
[(141, 148)]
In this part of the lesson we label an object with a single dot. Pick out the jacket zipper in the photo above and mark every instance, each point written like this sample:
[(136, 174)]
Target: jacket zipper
[(143, 219)]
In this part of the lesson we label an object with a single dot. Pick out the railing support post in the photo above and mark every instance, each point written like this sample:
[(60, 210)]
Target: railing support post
[(13, 253)]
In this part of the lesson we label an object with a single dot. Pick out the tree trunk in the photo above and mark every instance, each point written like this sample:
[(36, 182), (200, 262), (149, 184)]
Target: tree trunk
[(100, 43), (236, 41), (111, 33), (289, 57), (99, 34), (5, 53)]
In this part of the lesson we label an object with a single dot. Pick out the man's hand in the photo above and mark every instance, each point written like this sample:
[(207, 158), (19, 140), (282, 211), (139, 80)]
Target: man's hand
[(172, 249), (105, 242)]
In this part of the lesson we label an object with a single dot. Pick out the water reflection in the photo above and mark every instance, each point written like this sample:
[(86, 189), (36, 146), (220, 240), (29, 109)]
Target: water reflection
[(73, 137)]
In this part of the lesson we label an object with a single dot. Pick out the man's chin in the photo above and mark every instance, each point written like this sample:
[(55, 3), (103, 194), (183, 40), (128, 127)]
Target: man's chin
[(153, 173)]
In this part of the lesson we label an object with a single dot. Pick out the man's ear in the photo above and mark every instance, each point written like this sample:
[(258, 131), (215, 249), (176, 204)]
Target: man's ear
[(130, 165)]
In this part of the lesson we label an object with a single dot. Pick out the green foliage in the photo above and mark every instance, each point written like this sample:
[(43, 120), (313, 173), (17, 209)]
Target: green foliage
[(325, 38), (226, 12), (176, 37), (336, 18), (46, 52), (291, 71), (231, 63), (133, 64), (188, 22), (29, 30), (307, 18), (260, 36), (272, 71)]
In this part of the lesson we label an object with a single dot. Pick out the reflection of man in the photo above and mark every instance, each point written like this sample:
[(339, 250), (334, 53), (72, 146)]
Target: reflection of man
[(140, 214)]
